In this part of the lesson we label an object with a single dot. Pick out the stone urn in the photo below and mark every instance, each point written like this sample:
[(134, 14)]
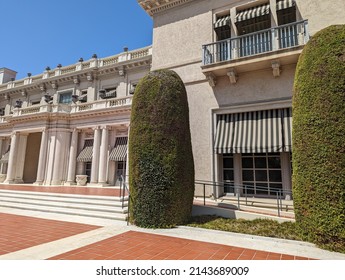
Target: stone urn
[(81, 180), (3, 177)]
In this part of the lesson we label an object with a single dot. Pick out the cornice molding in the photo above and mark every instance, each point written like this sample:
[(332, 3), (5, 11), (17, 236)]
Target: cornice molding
[(155, 6)]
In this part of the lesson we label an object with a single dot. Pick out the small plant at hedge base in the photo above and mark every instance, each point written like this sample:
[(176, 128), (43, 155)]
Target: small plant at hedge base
[(318, 139), (161, 166)]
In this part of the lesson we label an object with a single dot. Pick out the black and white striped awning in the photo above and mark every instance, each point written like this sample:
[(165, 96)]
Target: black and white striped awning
[(119, 153), (285, 4), (86, 153), (254, 132), (222, 21), (253, 12), (5, 157)]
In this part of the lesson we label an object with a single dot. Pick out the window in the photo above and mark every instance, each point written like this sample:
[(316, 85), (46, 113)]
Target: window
[(253, 25), (228, 173), (107, 93), (223, 32), (65, 97), (252, 21), (222, 27), (35, 102), (83, 96), (133, 87), (262, 172), (288, 35), (2, 111)]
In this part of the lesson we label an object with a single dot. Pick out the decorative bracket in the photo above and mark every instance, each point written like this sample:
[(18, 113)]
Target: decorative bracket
[(212, 80), (276, 68), (232, 75)]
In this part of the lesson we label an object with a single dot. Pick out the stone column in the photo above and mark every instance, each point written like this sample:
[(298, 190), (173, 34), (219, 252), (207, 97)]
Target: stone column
[(42, 158), (103, 160), (12, 158), (1, 153), (81, 165), (60, 160), (95, 156), (72, 162)]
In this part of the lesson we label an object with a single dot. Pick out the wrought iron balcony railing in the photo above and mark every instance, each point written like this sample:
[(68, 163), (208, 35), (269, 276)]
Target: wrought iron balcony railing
[(264, 41)]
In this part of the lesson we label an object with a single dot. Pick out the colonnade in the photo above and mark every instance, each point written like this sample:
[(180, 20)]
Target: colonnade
[(58, 152)]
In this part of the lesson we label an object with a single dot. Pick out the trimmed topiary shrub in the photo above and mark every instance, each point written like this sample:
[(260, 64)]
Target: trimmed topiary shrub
[(161, 166), (319, 139)]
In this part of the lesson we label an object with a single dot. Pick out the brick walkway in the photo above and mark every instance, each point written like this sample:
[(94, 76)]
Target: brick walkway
[(134, 245), (21, 232)]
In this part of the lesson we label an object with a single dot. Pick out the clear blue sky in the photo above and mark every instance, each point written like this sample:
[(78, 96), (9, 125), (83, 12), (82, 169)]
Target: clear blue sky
[(40, 33)]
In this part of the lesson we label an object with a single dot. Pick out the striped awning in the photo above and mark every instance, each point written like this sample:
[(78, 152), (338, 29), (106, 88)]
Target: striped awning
[(86, 153), (287, 129), (222, 21), (5, 157), (254, 132), (253, 12), (119, 153), (285, 4)]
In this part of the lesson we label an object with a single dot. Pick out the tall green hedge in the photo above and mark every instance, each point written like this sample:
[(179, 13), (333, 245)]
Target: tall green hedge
[(161, 166), (319, 139)]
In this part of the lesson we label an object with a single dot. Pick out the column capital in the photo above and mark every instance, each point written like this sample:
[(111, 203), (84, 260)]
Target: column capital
[(105, 127), (95, 128)]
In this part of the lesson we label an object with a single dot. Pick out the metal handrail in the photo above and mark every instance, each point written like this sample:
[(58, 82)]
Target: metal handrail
[(241, 190), (123, 189)]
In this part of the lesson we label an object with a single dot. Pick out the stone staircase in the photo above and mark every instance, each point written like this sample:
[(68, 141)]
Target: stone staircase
[(104, 207)]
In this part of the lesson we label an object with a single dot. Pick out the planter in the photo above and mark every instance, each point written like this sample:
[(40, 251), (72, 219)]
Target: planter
[(3, 177), (81, 180)]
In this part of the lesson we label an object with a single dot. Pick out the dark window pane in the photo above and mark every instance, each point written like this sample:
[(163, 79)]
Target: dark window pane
[(228, 175), (261, 175), (274, 188), (247, 163), (260, 162), (229, 188), (228, 163), (275, 176), (247, 175), (249, 188), (274, 162), (262, 188)]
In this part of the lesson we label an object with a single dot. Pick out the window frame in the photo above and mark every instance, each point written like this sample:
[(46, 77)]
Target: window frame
[(62, 93)]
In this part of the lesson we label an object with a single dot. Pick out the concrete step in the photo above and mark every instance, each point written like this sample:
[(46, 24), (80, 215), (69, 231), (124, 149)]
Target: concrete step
[(82, 205)]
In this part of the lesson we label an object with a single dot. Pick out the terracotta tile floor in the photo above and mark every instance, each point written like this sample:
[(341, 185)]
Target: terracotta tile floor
[(134, 245), (21, 232), (67, 190)]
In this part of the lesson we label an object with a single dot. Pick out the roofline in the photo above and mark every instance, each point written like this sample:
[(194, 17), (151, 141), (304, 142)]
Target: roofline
[(155, 6)]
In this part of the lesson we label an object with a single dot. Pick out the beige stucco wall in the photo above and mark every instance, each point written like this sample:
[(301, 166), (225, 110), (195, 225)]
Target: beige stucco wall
[(178, 36), (321, 13)]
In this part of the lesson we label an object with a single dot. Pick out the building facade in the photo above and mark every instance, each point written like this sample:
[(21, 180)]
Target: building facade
[(237, 59), (70, 124)]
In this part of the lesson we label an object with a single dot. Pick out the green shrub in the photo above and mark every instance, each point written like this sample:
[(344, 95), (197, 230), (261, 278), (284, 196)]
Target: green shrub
[(319, 139), (161, 167)]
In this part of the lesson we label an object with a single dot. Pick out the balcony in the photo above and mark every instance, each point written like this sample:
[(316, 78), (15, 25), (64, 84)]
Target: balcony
[(72, 110), (249, 51)]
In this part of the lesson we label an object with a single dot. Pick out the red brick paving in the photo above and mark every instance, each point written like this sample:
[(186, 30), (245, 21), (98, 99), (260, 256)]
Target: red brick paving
[(21, 232), (134, 245), (63, 189)]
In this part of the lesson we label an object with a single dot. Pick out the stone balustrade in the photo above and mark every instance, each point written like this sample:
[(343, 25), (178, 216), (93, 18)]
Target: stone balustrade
[(70, 69), (71, 108)]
